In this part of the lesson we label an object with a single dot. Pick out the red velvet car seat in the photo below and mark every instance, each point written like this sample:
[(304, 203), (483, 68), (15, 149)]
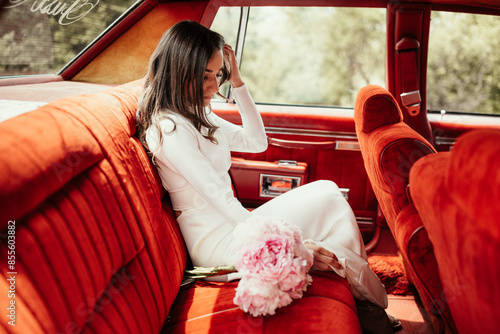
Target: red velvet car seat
[(458, 195), (390, 148)]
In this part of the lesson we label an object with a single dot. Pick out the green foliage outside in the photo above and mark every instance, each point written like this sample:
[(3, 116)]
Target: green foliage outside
[(323, 56), (463, 72), (316, 56), (312, 56), (83, 32), (32, 42)]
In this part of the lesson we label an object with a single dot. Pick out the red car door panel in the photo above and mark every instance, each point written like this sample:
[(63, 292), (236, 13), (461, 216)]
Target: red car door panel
[(322, 138)]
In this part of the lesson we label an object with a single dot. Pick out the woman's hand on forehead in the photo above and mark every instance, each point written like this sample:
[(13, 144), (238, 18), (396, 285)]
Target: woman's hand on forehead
[(235, 79)]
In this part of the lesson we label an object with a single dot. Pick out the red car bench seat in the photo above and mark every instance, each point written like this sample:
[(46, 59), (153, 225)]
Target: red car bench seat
[(97, 247)]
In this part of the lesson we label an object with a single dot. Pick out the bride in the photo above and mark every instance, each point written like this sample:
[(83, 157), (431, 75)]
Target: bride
[(190, 146)]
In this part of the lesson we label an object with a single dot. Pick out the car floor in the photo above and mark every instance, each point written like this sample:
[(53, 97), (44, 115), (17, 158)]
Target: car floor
[(408, 309)]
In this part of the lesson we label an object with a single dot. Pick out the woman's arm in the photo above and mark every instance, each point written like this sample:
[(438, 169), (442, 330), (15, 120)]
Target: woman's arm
[(180, 153), (252, 136)]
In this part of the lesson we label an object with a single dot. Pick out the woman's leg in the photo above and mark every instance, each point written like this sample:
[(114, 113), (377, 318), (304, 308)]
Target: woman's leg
[(321, 212), (327, 220)]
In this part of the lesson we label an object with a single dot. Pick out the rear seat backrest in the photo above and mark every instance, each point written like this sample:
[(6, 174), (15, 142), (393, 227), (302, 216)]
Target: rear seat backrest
[(457, 194), (96, 249), (389, 147)]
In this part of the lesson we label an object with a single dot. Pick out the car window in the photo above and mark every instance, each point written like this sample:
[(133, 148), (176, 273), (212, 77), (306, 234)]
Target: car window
[(40, 37), (226, 23), (463, 69), (312, 56)]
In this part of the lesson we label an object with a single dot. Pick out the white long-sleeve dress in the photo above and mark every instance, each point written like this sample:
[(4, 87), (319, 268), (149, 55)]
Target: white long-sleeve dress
[(194, 171)]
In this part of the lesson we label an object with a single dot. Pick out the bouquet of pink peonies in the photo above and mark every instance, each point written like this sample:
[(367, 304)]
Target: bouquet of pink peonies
[(273, 262)]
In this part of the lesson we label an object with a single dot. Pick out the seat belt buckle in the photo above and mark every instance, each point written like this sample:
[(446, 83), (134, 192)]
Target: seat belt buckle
[(411, 101)]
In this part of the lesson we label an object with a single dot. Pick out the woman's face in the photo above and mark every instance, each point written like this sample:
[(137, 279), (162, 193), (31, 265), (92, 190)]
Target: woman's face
[(213, 74)]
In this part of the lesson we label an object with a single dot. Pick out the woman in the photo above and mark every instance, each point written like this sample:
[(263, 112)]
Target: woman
[(191, 147)]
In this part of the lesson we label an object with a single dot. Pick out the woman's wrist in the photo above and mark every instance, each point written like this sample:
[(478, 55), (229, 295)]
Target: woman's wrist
[(236, 83)]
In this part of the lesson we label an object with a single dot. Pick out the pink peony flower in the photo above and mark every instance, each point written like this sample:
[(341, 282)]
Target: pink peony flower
[(296, 282), (301, 251), (274, 264), (260, 297), (270, 257)]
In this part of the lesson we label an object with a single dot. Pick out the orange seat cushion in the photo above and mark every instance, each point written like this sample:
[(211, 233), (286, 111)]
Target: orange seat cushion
[(207, 307)]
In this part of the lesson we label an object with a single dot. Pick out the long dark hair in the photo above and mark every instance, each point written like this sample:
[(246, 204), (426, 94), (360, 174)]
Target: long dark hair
[(174, 83)]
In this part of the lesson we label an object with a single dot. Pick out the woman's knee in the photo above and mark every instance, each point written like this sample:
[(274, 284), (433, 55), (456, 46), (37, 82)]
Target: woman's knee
[(327, 187)]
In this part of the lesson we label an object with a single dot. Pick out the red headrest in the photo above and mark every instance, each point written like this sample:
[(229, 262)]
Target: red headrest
[(375, 107)]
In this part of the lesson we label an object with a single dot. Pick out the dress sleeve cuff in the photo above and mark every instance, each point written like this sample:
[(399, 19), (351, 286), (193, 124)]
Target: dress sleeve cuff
[(241, 92)]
